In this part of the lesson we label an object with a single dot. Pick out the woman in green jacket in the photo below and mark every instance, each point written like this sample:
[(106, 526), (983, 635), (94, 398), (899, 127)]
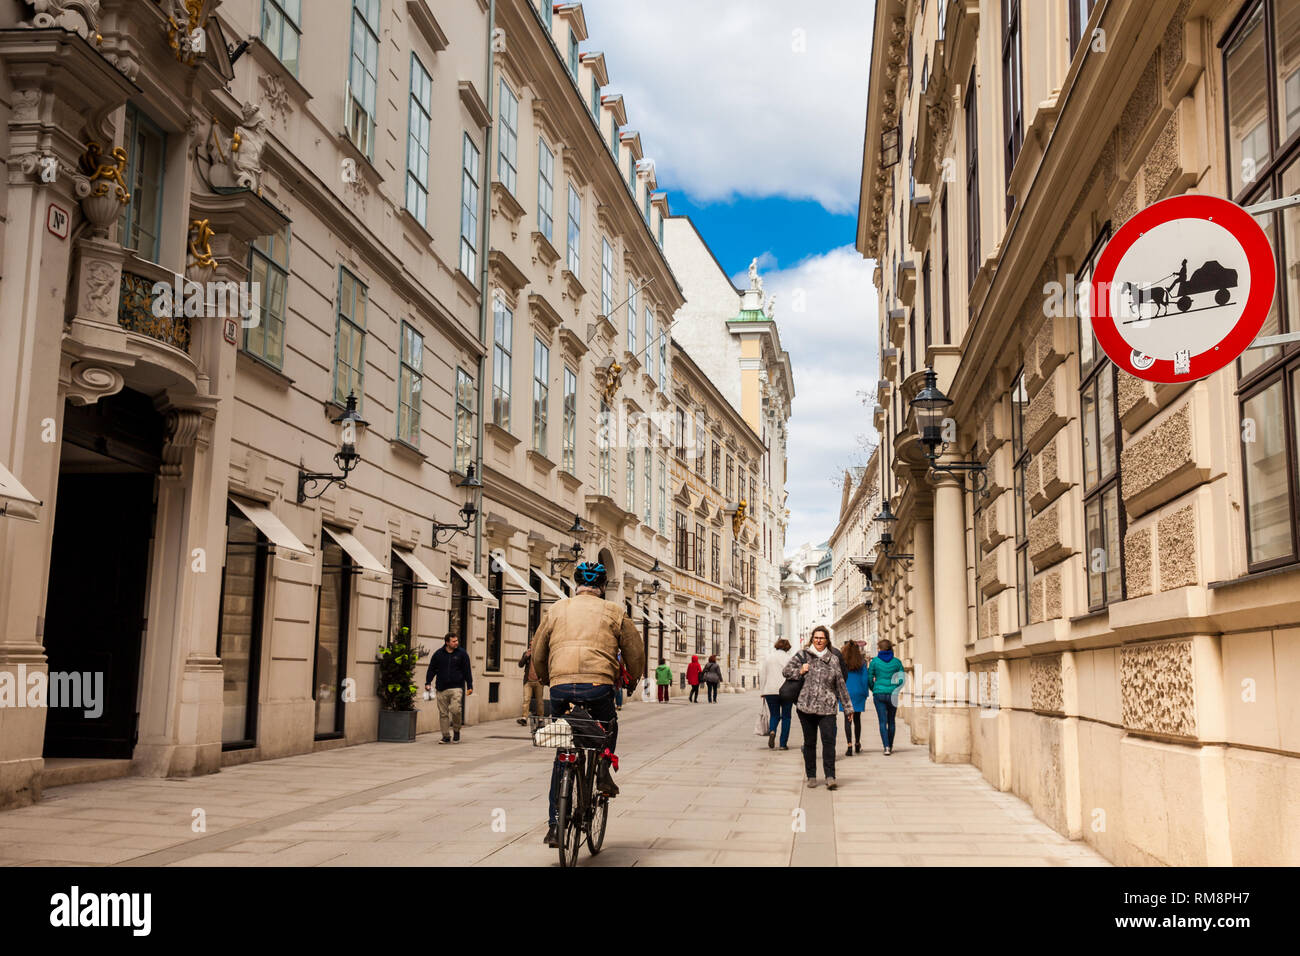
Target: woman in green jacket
[(884, 681), (663, 677)]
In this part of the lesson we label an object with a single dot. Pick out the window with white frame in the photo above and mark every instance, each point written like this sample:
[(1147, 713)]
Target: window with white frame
[(282, 30), (569, 456), (573, 54), (410, 378), (631, 315), (464, 420), (469, 207), (545, 190), (541, 393), (363, 75), (663, 497), (507, 136), (575, 231), (419, 125), (663, 361), (547, 13), (141, 221), (606, 277), (503, 337), (350, 338), (630, 477), (647, 463), (605, 455), (651, 346)]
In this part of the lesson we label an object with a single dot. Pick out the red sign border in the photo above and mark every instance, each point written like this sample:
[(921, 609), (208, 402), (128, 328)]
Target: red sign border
[(1259, 255)]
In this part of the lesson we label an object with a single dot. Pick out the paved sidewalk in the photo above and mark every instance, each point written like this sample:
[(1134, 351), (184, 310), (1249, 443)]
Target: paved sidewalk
[(698, 787)]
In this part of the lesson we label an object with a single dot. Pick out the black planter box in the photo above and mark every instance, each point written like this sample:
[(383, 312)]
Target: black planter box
[(397, 726)]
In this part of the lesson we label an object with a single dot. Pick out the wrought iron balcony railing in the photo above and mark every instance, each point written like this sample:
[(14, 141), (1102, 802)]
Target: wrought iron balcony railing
[(135, 313)]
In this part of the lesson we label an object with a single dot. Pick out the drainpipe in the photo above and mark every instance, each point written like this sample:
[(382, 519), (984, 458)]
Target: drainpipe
[(485, 199)]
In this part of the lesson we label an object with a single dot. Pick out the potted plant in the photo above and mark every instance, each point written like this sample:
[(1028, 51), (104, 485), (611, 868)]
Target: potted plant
[(397, 689)]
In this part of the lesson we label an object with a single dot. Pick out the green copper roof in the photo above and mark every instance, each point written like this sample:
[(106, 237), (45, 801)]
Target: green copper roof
[(751, 315)]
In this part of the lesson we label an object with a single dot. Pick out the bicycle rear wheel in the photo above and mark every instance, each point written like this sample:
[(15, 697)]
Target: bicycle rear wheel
[(596, 825), (568, 819)]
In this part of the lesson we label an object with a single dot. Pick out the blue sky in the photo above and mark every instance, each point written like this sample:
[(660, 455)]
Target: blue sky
[(753, 112)]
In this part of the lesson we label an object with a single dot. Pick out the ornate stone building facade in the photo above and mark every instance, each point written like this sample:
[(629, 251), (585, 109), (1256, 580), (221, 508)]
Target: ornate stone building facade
[(853, 545), (1119, 609), (437, 219)]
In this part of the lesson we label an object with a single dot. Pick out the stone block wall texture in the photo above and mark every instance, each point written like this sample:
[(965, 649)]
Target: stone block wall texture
[(1049, 537), (1045, 688), (1141, 106), (1176, 534), (1162, 162), (1137, 562), (1158, 688), (1158, 455)]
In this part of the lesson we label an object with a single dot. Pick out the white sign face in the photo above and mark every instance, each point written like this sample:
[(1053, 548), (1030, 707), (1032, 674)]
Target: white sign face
[(1181, 287)]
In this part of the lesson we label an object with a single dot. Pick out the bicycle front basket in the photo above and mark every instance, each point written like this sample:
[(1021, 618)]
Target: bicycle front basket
[(550, 732)]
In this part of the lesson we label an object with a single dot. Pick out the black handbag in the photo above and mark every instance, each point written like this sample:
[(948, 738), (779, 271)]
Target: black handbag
[(790, 690)]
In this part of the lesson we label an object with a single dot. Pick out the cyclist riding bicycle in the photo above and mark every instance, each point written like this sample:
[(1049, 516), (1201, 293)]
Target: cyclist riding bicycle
[(575, 651)]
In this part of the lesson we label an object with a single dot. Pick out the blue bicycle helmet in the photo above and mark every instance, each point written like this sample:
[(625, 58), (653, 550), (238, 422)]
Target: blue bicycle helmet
[(587, 575)]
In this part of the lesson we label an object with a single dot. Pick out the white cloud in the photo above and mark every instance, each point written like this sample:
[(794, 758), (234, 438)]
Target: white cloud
[(834, 353), (728, 105)]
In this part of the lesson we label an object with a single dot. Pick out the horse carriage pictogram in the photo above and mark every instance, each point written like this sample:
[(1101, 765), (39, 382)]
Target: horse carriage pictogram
[(1209, 277)]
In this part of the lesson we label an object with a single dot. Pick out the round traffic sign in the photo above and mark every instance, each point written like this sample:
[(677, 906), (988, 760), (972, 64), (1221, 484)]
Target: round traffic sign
[(1182, 288)]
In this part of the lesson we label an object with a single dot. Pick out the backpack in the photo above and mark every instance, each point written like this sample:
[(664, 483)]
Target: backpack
[(587, 731)]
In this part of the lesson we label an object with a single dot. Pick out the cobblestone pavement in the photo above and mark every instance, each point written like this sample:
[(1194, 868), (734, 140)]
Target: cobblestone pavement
[(698, 787)]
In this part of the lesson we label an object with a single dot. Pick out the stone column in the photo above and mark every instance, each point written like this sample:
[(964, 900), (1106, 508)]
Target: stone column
[(923, 634), (950, 722)]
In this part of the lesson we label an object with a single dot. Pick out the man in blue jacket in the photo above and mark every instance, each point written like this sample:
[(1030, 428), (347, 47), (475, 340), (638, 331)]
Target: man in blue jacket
[(449, 674)]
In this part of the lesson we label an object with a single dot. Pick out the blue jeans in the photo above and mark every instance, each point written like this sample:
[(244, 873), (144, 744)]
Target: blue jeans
[(885, 710), (713, 692), (778, 711), (599, 701)]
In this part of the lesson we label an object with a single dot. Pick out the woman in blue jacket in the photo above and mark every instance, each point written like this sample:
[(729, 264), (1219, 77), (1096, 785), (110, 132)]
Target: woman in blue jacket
[(885, 679), (855, 678)]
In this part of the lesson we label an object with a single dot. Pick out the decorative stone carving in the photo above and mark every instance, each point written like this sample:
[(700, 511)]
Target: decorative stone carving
[(182, 427), (76, 16), (186, 23), (89, 383), (937, 114), (101, 287), (107, 192), (276, 97), (1158, 688), (1045, 691), (26, 106), (237, 161)]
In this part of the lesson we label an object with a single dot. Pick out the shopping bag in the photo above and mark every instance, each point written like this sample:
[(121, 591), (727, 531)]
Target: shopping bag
[(761, 728)]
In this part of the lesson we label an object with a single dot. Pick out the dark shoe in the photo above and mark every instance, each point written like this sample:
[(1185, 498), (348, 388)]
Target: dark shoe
[(857, 748), (831, 784), (771, 740), (812, 782), (889, 751), (604, 781), (552, 836), (784, 747), (849, 752), (455, 737), (521, 721), (445, 740)]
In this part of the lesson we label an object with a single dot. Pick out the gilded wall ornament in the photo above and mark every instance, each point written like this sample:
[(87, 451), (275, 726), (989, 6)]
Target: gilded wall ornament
[(186, 23), (201, 245)]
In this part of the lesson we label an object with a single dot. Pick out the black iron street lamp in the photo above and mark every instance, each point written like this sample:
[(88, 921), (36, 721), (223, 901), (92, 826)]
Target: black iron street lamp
[(887, 518), (346, 458), (468, 511), (931, 407), (579, 534)]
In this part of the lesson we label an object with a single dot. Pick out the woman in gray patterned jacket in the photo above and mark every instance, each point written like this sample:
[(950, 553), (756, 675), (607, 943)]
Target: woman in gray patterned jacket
[(822, 671)]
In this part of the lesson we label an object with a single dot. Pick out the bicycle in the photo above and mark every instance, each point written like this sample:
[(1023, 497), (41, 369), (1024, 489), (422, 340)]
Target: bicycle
[(581, 811)]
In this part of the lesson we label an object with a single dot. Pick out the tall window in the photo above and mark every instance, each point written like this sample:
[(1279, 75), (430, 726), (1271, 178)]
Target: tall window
[(1020, 504), (699, 634), (545, 190), (684, 550), (548, 14), (651, 346), (410, 379), (613, 140), (507, 136), (717, 558), (925, 305), (268, 267), (604, 459), (1013, 122), (647, 464), (469, 207), (497, 586), (417, 142), (141, 221), (282, 30), (541, 393), (573, 54), (239, 628), (679, 633), (570, 451), (1080, 11), (350, 338), (575, 231), (631, 315), (464, 420), (944, 251), (606, 277), (716, 629), (363, 75), (663, 362), (503, 343), (1261, 62), (663, 497), (595, 97), (972, 182), (717, 465), (330, 664), (731, 478), (699, 549), (701, 444), (630, 502)]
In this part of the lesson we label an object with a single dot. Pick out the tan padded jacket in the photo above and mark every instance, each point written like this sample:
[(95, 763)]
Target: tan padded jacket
[(579, 639)]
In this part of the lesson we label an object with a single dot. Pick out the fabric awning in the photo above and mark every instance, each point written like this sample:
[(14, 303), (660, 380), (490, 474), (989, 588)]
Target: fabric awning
[(499, 563), (284, 541), (15, 500), (368, 563), (481, 593), (419, 569), (549, 585)]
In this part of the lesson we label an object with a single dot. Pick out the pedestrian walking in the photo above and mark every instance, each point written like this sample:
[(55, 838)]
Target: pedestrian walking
[(663, 677), (450, 676), (712, 677), (821, 670), (855, 679), (884, 680), (770, 679), (532, 686), (693, 678)]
